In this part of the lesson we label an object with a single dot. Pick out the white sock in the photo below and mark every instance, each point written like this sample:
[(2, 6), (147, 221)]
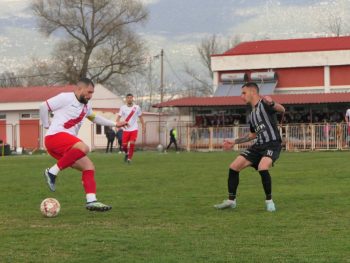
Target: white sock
[(268, 201), (90, 198), (54, 170)]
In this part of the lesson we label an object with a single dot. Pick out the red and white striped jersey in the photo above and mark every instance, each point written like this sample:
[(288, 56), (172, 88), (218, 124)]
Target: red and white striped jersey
[(68, 113), (130, 115)]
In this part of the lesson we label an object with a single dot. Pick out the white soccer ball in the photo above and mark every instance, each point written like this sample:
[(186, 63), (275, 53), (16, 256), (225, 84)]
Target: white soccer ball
[(160, 148), (50, 207)]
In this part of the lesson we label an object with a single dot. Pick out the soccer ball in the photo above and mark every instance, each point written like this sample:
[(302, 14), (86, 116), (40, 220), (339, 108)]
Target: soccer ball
[(50, 207), (160, 148)]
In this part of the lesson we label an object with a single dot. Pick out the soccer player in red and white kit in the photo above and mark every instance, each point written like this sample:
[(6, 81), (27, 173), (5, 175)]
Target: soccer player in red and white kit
[(130, 113), (62, 143)]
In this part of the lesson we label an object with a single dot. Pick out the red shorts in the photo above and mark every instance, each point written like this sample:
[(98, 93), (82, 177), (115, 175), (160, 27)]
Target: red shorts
[(58, 144), (129, 136)]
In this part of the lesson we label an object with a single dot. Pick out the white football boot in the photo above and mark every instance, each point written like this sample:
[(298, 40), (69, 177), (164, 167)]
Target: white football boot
[(226, 204), (270, 206)]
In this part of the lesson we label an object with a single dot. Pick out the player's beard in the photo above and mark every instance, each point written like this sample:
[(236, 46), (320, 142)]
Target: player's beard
[(83, 100)]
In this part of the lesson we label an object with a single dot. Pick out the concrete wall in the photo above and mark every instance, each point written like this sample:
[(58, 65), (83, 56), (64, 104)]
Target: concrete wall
[(281, 60)]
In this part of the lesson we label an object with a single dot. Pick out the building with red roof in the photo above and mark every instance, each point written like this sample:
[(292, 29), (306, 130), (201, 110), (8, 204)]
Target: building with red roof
[(309, 76), (311, 65), (19, 114)]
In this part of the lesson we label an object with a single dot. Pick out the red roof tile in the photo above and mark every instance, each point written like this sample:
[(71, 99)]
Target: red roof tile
[(289, 46), (236, 100), (30, 94)]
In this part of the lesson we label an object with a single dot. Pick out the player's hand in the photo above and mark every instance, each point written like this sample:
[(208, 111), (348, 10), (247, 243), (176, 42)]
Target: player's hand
[(121, 124), (268, 100), (228, 145)]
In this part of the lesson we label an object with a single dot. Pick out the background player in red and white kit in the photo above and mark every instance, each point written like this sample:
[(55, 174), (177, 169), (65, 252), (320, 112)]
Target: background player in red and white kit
[(130, 113), (62, 143)]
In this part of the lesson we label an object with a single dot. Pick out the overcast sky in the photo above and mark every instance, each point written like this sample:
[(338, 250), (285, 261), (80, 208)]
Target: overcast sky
[(178, 25)]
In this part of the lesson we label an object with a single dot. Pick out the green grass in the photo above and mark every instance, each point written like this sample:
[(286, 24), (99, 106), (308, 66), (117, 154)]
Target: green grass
[(163, 211)]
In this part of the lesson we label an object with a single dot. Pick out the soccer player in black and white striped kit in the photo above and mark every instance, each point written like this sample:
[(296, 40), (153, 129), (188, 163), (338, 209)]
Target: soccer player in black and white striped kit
[(264, 152)]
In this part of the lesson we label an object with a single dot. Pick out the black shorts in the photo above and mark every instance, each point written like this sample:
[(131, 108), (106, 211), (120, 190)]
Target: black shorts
[(255, 153)]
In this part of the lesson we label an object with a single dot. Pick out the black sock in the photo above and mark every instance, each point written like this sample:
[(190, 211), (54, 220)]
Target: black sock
[(232, 183), (267, 183)]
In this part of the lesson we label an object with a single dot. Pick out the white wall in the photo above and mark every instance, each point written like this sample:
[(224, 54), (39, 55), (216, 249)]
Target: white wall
[(15, 106), (104, 98), (280, 60)]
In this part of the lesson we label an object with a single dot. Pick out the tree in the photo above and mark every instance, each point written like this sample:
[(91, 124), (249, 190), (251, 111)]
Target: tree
[(9, 79), (98, 40), (43, 72), (335, 24), (209, 46)]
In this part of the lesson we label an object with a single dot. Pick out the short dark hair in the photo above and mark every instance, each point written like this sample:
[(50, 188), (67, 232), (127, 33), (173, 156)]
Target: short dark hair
[(251, 85), (129, 95), (86, 81)]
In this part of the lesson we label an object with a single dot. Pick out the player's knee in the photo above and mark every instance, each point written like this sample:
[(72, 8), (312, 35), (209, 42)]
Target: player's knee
[(235, 167), (85, 149), (263, 167), (90, 167), (82, 147)]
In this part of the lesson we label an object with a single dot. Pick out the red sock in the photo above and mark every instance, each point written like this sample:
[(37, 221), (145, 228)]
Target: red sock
[(69, 158), (131, 150), (88, 180)]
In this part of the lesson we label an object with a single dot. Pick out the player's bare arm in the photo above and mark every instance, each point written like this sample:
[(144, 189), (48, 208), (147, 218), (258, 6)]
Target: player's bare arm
[(104, 122), (119, 123), (276, 106), (228, 145)]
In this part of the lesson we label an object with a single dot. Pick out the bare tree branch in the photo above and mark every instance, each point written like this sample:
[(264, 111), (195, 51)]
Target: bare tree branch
[(207, 47), (94, 26)]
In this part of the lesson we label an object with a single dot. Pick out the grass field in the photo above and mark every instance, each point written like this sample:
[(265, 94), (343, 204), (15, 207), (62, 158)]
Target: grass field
[(163, 211)]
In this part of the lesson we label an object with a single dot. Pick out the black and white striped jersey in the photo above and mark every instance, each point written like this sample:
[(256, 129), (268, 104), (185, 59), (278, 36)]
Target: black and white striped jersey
[(263, 122)]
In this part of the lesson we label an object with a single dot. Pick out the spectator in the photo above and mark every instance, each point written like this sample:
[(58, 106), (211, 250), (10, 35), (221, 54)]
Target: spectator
[(173, 138), (119, 136), (110, 134)]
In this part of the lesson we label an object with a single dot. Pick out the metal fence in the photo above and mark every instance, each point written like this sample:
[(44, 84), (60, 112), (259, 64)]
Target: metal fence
[(296, 137)]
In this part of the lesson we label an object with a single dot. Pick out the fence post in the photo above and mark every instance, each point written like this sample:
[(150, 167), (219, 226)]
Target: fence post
[(327, 138), (188, 143), (304, 137), (312, 137), (287, 137), (211, 139), (235, 135), (338, 136)]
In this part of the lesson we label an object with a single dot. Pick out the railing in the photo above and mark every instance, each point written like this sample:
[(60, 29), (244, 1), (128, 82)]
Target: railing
[(296, 137)]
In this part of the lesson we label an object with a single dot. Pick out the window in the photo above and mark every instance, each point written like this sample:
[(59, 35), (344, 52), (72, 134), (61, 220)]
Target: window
[(98, 129), (29, 115), (2, 116), (25, 116)]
